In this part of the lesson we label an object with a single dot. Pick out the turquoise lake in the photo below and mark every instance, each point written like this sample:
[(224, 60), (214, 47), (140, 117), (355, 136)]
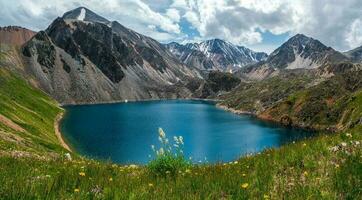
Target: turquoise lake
[(124, 132)]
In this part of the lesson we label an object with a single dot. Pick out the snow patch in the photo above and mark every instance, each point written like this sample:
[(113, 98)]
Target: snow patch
[(301, 62), (82, 14)]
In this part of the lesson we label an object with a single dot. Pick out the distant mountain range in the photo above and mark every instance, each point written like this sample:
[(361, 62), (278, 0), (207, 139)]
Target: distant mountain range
[(215, 54), (82, 58)]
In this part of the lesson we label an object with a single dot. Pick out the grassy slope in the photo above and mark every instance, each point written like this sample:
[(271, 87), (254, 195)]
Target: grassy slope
[(258, 96), (334, 103), (30, 109), (296, 171), (306, 170)]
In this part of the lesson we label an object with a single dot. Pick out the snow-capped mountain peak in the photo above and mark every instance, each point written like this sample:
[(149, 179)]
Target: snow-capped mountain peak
[(84, 14), (216, 54)]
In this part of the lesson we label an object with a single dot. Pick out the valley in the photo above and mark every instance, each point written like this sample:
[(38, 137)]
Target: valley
[(82, 58)]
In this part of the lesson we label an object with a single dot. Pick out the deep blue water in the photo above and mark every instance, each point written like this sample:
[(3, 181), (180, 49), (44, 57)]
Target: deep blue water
[(124, 132)]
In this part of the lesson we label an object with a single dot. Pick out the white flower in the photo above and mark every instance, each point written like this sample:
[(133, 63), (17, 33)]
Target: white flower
[(344, 144), (68, 156), (181, 139), (161, 151), (175, 139), (161, 133), (348, 135)]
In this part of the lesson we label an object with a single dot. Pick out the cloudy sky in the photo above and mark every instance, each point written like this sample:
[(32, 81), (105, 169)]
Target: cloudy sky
[(261, 25)]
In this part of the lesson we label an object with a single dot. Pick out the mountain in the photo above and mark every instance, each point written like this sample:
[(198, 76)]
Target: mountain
[(355, 54), (215, 54), (299, 52), (84, 58), (15, 35)]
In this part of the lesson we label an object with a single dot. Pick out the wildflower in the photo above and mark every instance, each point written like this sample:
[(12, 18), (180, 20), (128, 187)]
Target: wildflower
[(68, 156), (304, 144), (76, 190), (266, 196), (235, 162), (176, 139), (150, 185), (161, 133), (337, 165), (111, 179), (344, 144), (245, 185), (243, 175), (81, 174), (188, 171), (167, 172), (181, 139), (348, 135), (305, 173), (161, 151)]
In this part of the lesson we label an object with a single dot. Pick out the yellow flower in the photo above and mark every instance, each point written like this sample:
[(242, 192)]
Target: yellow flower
[(76, 190), (245, 185), (188, 171), (111, 179), (81, 174), (244, 175), (305, 173), (150, 185), (304, 144), (337, 166), (266, 196)]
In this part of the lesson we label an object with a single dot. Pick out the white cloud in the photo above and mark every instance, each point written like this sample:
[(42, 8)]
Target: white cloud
[(335, 23), (354, 34), (173, 14)]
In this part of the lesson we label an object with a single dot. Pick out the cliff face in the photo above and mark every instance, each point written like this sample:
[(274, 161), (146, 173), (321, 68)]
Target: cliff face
[(89, 59), (14, 35)]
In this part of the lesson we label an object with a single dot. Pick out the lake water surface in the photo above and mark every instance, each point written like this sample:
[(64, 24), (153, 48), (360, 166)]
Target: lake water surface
[(124, 132)]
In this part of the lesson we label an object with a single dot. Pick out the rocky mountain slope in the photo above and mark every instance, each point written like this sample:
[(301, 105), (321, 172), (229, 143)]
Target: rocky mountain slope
[(215, 54), (14, 35), (299, 52), (302, 97), (84, 58), (355, 54)]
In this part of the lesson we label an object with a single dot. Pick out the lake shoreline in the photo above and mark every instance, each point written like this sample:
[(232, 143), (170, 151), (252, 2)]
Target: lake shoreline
[(242, 112), (58, 133), (139, 100)]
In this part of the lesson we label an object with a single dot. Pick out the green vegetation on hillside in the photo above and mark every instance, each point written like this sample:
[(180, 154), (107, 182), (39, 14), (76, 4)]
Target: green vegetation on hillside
[(255, 97), (26, 117), (334, 104)]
